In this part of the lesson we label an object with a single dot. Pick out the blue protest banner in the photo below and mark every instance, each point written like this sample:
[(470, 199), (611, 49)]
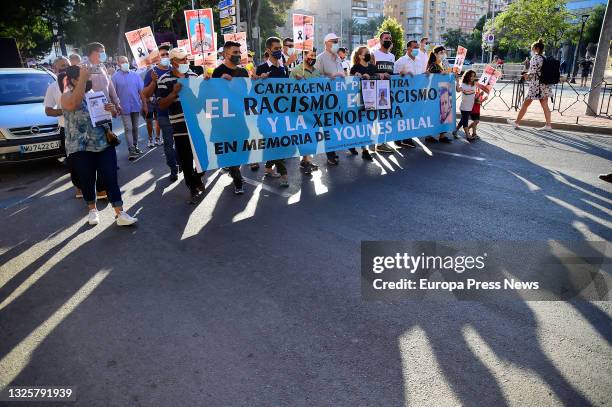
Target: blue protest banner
[(245, 121)]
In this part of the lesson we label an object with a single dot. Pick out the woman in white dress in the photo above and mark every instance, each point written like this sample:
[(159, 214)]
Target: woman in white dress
[(537, 90)]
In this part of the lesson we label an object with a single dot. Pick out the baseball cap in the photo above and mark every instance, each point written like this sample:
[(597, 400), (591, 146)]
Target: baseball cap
[(178, 53), (331, 36)]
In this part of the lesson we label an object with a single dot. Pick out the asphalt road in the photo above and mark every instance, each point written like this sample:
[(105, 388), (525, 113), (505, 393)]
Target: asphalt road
[(255, 300)]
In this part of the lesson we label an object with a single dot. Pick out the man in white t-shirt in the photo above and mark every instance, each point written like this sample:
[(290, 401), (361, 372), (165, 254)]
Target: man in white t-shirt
[(385, 61), (53, 108), (422, 56), (408, 65)]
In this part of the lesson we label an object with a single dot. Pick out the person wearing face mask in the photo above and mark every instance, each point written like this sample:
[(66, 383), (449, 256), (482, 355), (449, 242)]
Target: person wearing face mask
[(434, 66), (307, 70), (274, 68), (168, 98), (422, 56), (330, 65), (150, 92), (408, 65), (345, 64), (53, 108), (88, 148), (227, 70), (129, 86), (290, 54), (96, 57), (384, 60)]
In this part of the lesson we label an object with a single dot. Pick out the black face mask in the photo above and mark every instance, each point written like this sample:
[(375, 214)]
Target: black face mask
[(235, 59), (311, 61), (387, 44), (367, 57)]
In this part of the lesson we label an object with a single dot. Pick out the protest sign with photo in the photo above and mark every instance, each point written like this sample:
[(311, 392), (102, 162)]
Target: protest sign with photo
[(373, 43), (303, 32), (246, 121), (375, 94), (242, 40), (459, 59), (143, 46), (185, 45), (489, 78), (206, 60), (201, 31)]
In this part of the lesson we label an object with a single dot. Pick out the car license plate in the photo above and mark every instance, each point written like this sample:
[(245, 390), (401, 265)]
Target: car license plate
[(34, 148)]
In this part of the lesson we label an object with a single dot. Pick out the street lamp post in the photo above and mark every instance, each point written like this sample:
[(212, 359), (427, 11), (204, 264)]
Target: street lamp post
[(584, 18)]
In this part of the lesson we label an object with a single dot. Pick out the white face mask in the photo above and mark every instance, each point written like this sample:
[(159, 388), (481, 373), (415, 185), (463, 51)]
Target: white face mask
[(125, 67), (183, 68), (290, 51), (335, 48), (165, 61), (532, 53)]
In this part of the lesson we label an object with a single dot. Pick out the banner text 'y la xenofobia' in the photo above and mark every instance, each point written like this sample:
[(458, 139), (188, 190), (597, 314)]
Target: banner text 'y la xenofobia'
[(245, 121)]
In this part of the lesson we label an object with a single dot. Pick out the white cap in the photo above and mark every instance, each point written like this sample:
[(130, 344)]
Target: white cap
[(331, 36), (178, 53)]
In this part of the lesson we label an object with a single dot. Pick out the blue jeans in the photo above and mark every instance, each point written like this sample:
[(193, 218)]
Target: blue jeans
[(166, 129), (87, 164)]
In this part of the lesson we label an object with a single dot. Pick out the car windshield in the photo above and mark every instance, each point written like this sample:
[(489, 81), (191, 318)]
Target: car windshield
[(23, 88)]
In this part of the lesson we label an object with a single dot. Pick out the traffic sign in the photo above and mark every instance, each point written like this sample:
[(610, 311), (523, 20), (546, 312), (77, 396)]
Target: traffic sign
[(226, 3), (228, 21), (229, 30), (226, 12), (490, 39)]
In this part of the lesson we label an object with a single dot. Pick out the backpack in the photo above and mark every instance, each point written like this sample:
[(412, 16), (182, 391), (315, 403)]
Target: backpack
[(550, 74)]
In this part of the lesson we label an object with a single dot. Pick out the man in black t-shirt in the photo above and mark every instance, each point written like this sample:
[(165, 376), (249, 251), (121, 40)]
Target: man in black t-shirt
[(274, 68), (227, 70)]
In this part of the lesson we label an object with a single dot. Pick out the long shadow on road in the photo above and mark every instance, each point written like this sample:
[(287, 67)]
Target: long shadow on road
[(267, 309)]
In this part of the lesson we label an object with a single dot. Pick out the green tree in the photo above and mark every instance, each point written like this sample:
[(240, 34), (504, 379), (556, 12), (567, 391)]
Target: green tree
[(397, 32), (592, 28), (455, 37), (525, 21)]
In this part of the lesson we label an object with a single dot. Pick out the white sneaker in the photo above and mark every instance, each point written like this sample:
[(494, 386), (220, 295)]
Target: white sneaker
[(93, 218), (151, 145), (545, 128), (512, 122), (125, 220)]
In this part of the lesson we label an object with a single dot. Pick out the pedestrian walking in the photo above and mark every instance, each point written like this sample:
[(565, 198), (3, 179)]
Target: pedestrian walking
[(307, 70), (91, 148), (409, 64), (385, 61), (585, 67), (467, 88), (228, 70), (434, 66), (151, 93), (537, 90), (479, 99), (273, 68), (330, 65), (168, 98), (129, 86)]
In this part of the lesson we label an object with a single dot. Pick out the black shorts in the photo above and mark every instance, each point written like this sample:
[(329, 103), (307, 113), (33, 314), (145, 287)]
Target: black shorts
[(475, 116), (149, 116)]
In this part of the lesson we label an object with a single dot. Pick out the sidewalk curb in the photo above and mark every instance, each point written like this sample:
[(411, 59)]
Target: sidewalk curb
[(556, 126)]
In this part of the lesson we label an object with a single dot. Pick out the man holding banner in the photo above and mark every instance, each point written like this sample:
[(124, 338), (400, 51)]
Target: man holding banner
[(274, 68), (227, 70), (168, 98)]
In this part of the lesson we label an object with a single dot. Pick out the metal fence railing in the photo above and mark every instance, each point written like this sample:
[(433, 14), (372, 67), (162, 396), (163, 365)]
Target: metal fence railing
[(567, 99)]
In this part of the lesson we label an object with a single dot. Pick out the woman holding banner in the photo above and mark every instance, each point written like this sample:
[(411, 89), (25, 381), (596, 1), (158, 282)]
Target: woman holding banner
[(434, 65), (537, 90), (363, 68)]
